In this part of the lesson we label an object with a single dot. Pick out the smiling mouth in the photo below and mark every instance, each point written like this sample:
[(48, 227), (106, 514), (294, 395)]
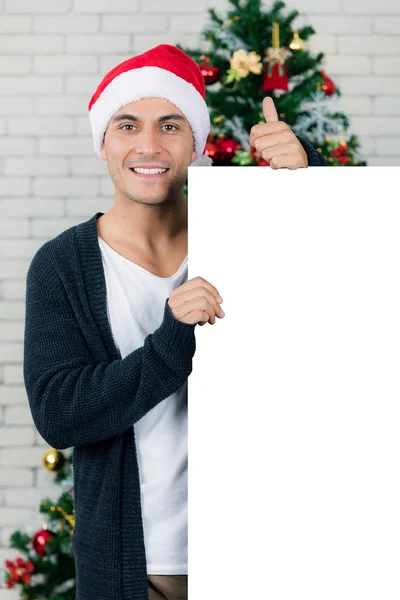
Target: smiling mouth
[(159, 172)]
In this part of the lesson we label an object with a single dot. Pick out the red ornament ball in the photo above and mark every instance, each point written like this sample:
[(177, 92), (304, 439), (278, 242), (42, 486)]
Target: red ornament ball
[(328, 86), (211, 74), (226, 148), (211, 149), (40, 539)]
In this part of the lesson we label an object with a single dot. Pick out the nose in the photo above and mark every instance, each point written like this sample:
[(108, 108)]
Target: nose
[(148, 142)]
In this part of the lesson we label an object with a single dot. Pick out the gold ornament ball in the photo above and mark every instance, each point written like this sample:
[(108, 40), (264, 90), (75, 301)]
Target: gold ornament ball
[(297, 44), (53, 460)]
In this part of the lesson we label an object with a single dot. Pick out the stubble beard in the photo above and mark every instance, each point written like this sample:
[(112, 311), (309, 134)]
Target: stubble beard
[(174, 189)]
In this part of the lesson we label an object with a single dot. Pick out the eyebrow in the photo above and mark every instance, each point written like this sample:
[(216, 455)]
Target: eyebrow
[(128, 117)]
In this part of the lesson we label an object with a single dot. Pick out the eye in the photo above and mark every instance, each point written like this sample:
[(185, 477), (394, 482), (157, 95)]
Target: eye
[(170, 125), (126, 125)]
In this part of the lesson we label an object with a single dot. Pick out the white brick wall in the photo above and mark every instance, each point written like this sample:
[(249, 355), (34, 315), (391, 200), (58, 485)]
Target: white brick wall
[(39, 6), (53, 53)]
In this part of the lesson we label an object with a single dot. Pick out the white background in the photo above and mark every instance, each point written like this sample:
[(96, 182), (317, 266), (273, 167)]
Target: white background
[(294, 396)]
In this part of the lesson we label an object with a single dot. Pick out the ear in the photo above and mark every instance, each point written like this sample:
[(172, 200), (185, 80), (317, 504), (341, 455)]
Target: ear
[(194, 156), (103, 151)]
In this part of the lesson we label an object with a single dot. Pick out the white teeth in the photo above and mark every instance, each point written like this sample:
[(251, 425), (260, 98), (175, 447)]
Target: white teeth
[(149, 171)]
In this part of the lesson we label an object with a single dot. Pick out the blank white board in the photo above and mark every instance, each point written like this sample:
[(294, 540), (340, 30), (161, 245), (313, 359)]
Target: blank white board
[(294, 420)]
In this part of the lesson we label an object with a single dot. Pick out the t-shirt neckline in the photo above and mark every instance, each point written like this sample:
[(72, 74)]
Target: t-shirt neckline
[(135, 265)]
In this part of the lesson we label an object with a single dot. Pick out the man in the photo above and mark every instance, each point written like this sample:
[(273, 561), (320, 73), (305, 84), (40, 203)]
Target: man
[(109, 332)]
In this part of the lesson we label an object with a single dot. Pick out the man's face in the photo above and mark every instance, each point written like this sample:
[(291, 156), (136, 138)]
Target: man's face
[(150, 133)]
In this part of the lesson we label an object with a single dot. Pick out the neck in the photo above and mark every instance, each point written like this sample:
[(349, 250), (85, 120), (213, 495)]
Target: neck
[(150, 226)]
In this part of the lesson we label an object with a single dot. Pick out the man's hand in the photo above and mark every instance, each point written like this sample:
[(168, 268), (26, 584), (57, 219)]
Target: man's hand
[(276, 142), (196, 301)]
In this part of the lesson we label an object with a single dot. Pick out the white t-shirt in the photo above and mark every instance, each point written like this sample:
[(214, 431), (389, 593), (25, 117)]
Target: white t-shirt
[(135, 303)]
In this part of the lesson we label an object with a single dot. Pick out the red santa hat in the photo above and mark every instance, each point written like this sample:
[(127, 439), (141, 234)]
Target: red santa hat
[(162, 72)]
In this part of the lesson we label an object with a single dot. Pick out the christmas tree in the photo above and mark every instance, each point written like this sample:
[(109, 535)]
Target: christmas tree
[(47, 571), (254, 53)]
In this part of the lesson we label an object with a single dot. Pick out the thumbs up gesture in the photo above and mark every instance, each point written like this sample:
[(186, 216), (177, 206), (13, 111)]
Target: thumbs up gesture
[(275, 141)]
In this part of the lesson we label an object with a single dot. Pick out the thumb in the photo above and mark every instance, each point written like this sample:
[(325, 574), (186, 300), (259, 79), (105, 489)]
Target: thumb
[(269, 110)]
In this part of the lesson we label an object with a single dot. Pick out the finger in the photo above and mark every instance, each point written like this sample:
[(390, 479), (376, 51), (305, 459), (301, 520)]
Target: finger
[(262, 129), (269, 110), (280, 137), (184, 297), (269, 152), (205, 317), (199, 304), (285, 161), (195, 316), (197, 282), (279, 162)]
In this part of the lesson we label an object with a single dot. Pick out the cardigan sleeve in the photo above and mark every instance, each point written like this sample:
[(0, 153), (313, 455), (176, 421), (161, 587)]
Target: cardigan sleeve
[(315, 158), (75, 400)]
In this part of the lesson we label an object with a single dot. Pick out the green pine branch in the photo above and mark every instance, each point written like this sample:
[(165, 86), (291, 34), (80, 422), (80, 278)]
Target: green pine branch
[(57, 568), (247, 25)]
